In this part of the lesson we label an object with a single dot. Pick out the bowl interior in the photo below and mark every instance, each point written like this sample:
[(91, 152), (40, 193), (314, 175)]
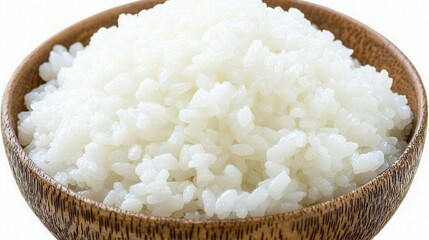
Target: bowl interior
[(369, 48)]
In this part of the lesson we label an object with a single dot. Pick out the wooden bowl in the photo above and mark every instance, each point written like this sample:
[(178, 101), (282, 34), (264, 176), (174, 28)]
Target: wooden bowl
[(359, 214)]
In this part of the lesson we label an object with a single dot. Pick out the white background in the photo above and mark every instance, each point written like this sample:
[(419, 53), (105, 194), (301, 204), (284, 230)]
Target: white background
[(27, 23)]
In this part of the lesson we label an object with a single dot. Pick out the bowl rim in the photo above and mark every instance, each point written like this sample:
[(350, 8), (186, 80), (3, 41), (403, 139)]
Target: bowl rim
[(10, 135)]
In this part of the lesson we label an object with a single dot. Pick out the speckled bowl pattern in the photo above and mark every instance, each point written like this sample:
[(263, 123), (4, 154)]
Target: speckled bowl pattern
[(359, 214)]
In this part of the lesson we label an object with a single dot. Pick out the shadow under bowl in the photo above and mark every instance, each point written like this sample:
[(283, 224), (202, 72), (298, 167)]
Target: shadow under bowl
[(359, 214)]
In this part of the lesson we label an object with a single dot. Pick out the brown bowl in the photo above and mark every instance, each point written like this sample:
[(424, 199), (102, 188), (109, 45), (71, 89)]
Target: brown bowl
[(359, 214)]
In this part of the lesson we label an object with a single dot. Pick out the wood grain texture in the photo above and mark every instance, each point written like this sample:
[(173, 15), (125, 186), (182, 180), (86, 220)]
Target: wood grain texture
[(359, 214)]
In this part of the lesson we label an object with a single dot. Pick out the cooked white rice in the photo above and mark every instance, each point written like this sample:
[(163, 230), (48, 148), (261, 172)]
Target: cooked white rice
[(197, 110)]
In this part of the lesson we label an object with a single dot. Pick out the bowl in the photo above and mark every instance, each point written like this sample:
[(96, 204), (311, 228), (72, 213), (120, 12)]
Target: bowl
[(359, 214)]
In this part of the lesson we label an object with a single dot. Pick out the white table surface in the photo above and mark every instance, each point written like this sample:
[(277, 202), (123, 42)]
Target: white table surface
[(27, 23)]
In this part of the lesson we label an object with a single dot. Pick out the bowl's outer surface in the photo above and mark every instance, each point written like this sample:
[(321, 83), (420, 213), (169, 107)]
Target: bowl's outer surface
[(359, 214)]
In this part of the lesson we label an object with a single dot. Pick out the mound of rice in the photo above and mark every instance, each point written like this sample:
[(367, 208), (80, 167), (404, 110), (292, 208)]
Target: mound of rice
[(197, 110)]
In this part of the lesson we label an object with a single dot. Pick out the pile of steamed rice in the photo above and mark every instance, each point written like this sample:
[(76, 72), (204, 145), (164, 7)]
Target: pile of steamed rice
[(197, 110)]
